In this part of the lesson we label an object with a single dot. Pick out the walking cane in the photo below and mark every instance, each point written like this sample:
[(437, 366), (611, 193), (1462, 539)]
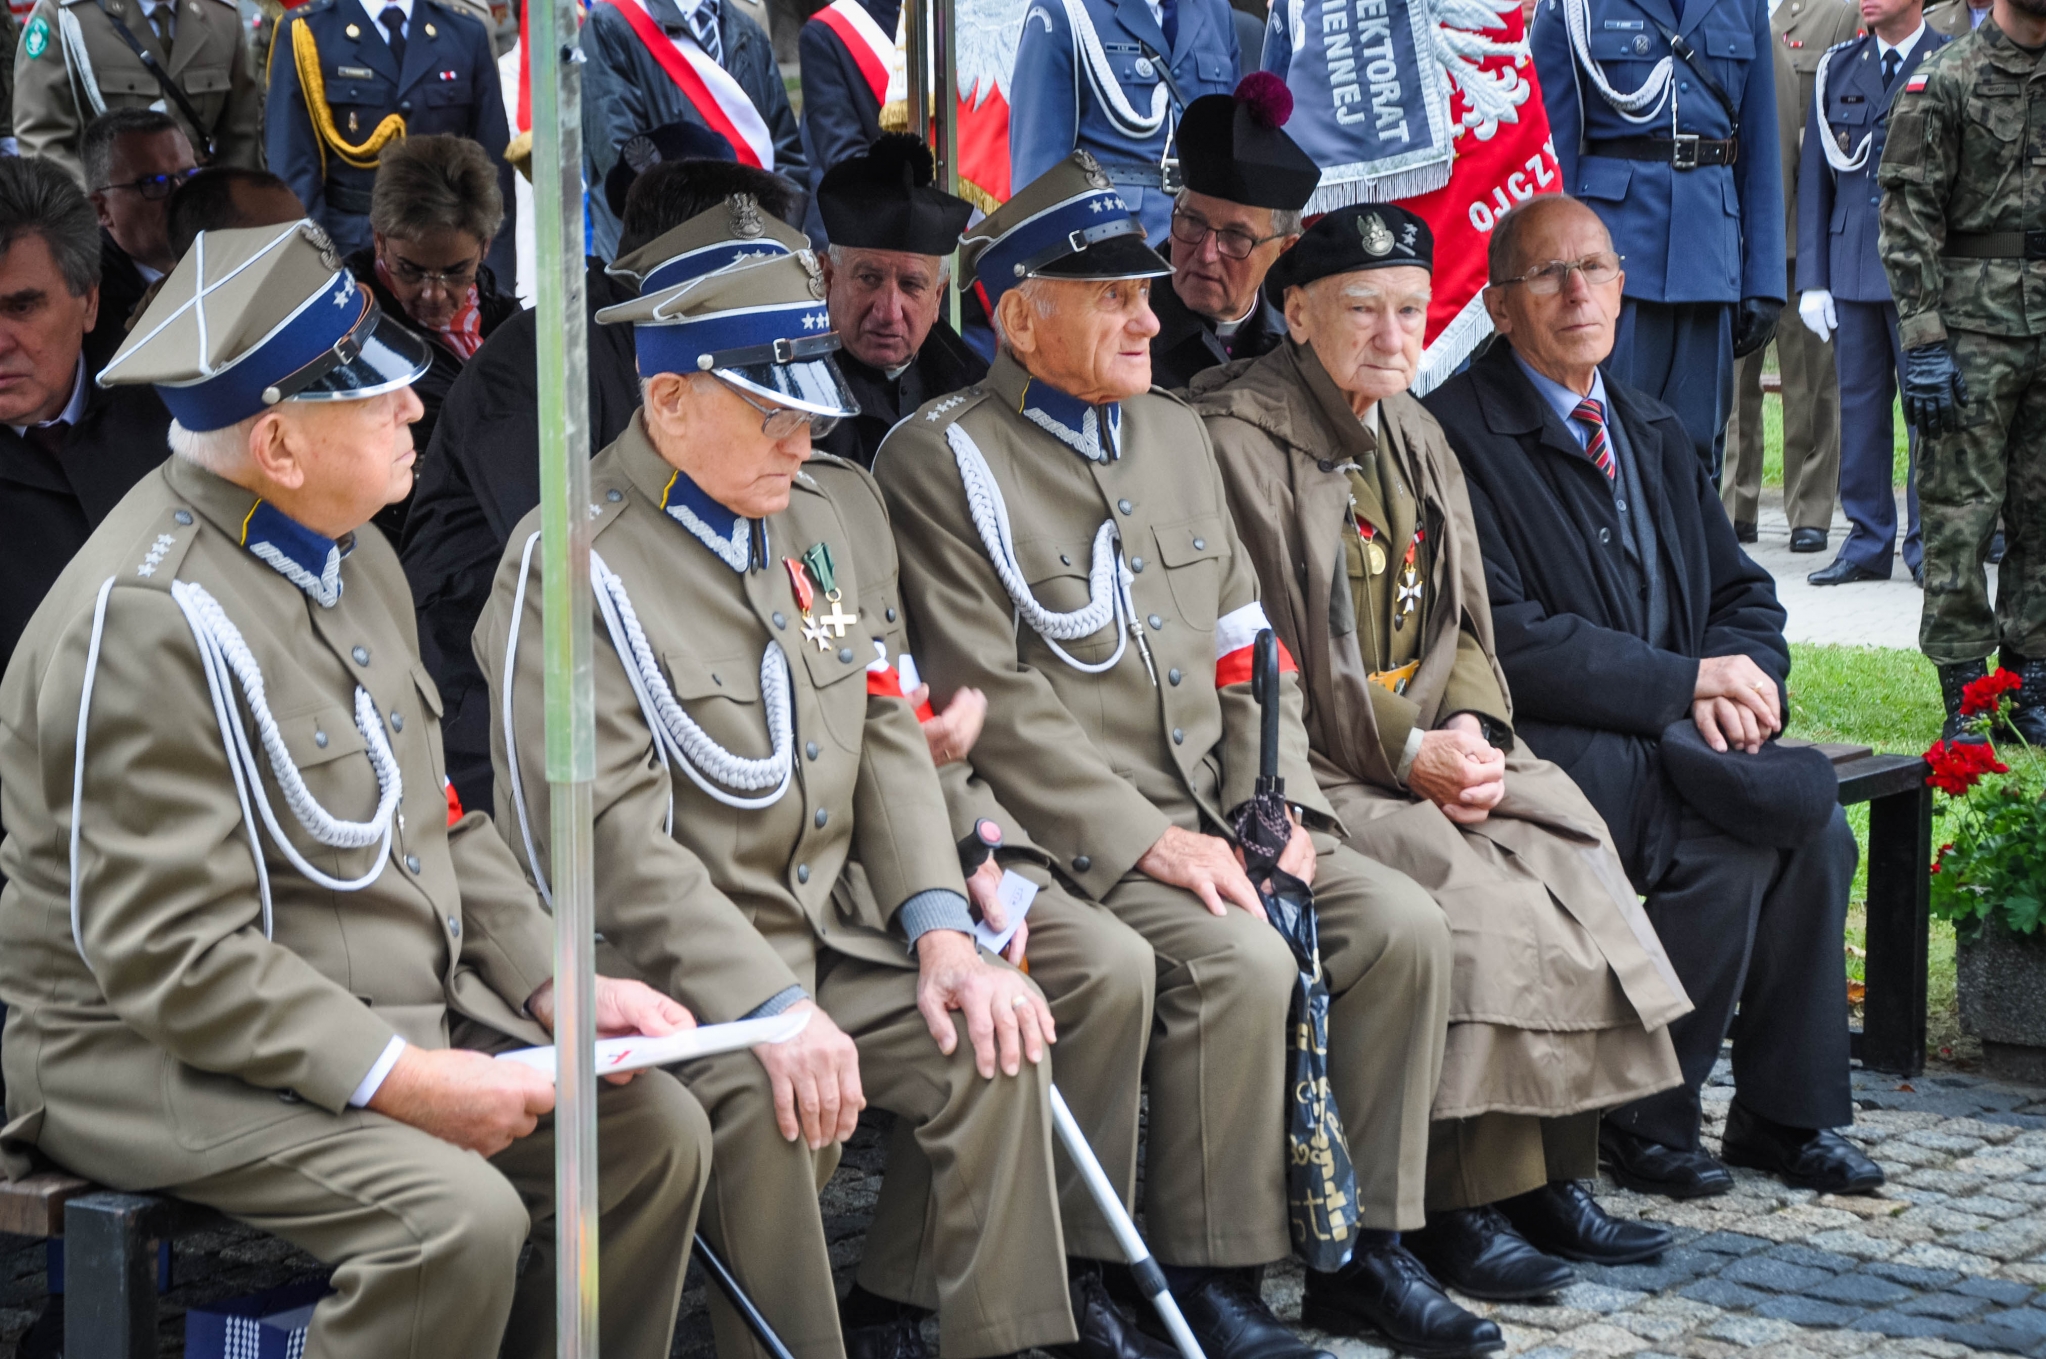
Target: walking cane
[(1150, 1279), (736, 1295)]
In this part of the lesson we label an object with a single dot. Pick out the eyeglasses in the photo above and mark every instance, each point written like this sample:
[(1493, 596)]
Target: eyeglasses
[(1231, 243), (783, 422), (153, 188), (1548, 280), (411, 275)]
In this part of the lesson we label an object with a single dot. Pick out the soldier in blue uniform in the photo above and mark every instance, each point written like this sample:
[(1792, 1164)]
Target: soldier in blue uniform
[(1840, 278), (1664, 118), (347, 77), (1118, 91)]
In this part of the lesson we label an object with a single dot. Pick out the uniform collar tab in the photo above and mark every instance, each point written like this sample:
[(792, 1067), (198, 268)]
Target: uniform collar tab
[(1094, 432), (730, 536), (309, 560)]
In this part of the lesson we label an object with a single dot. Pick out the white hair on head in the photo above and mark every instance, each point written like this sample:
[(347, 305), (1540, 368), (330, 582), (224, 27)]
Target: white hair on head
[(837, 253), (220, 451), (1035, 291)]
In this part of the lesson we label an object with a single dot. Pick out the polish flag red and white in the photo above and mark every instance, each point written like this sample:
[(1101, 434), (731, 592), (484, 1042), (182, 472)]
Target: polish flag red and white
[(1235, 635), (717, 98)]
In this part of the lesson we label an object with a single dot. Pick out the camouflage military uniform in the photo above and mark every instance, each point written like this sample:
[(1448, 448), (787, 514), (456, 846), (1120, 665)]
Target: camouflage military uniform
[(1964, 175)]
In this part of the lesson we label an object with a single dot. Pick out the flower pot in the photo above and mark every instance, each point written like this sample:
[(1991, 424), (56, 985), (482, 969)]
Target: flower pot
[(2001, 980)]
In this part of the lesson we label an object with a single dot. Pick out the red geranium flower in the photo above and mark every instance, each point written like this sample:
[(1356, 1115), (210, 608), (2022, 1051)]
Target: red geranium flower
[(1958, 766), (1982, 696)]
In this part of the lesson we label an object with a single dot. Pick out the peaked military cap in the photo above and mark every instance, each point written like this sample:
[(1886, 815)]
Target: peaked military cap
[(1234, 147), (1069, 222), (1366, 236), (642, 151), (885, 200), (257, 315), (760, 324), (734, 231)]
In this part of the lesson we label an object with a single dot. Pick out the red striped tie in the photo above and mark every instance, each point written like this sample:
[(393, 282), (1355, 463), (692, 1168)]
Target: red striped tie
[(1593, 414)]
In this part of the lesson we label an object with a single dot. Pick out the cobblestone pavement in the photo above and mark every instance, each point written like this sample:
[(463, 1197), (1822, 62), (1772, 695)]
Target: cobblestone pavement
[(1948, 1260)]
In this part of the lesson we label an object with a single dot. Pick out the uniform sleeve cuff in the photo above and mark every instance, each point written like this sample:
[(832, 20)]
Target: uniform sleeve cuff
[(1926, 328), (935, 909), (1408, 755), (374, 1081), (778, 1002)]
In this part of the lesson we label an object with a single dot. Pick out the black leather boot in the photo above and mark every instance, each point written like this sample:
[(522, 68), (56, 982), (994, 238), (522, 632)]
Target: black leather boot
[(1952, 679), (1228, 1316), (1562, 1218), (1108, 1330), (2028, 718), (1476, 1251), (1385, 1294)]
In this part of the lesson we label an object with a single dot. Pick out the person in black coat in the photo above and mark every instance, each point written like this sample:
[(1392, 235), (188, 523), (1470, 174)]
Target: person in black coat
[(481, 471), (1646, 657)]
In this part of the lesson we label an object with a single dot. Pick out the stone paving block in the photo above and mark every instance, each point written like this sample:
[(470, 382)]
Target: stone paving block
[(1942, 1139), (2003, 1291), (1978, 1336), (1848, 1341), (2017, 1120), (2021, 1191), (1809, 1311), (1940, 1257), (1655, 1278), (1813, 1258), (1863, 1290), (1863, 1205), (2033, 1274), (1777, 1276), (1656, 1326), (1992, 1204), (1975, 1127), (1599, 1298), (1945, 1306), (1721, 1293), (1749, 1331), (1704, 1347), (1904, 1227), (1915, 1276), (1898, 1322), (1730, 1243), (1669, 1304), (1788, 1225), (1945, 1217), (1538, 1317), (1891, 1121), (1946, 1181), (2004, 1241), (1599, 1338), (1858, 1244)]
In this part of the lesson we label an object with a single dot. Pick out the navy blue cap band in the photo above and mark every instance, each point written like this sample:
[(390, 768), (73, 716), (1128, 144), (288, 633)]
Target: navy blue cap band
[(727, 338), (303, 340), (1050, 235)]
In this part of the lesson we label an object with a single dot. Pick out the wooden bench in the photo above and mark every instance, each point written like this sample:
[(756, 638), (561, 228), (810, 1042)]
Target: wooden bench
[(1892, 1033), (109, 1256)]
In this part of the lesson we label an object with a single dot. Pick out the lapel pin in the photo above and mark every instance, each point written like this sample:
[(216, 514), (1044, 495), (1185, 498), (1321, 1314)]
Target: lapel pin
[(431, 31), (353, 31)]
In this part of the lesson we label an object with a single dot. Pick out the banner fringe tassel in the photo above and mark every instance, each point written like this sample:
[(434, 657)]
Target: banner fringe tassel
[(1389, 188), (1455, 344)]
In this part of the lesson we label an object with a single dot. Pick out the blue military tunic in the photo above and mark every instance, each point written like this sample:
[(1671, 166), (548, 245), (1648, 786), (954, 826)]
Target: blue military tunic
[(448, 84), (1055, 105)]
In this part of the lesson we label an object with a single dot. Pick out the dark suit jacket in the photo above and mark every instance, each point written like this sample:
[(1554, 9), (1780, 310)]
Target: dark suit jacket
[(120, 287), (1588, 694), (51, 506), (943, 365), (479, 476), (1186, 344), (841, 117)]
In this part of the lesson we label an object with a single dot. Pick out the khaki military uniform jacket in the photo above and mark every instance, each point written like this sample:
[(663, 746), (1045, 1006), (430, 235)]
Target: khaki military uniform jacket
[(1803, 30), (730, 910), (1096, 765), (1561, 990), (1960, 159), (54, 98), (184, 1042)]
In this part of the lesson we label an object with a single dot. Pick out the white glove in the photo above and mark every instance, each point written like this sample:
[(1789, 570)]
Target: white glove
[(1815, 309)]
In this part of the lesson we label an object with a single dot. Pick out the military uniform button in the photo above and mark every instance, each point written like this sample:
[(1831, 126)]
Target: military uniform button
[(1605, 535), (802, 872), (1124, 506), (891, 613), (320, 739), (822, 817), (1173, 675), (412, 862), (1178, 737), (361, 655), (1136, 563), (1325, 464), (1064, 560), (405, 106), (1200, 544), (183, 516), (845, 654), (397, 721), (1081, 863), (289, 1097), (614, 495), (352, 31), (779, 620), (811, 750), (454, 925), (1156, 622)]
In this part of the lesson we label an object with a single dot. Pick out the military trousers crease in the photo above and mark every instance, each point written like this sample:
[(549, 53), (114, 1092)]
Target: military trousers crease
[(426, 1237), (968, 1226), (1483, 1159), (1812, 431)]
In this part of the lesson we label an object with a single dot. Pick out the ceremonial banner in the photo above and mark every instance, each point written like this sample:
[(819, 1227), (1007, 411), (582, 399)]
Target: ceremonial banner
[(988, 31)]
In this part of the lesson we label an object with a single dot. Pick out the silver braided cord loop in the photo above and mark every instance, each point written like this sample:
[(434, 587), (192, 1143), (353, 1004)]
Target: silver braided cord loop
[(1122, 114), (1108, 580), (1841, 161), (1577, 19)]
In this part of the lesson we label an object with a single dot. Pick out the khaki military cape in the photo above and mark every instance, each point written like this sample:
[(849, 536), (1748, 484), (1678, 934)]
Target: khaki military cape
[(184, 1043), (1562, 991)]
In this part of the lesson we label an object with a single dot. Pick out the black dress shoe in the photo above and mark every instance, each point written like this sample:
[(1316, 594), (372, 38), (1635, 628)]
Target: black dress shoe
[(1844, 572), (1476, 1251), (1803, 1158), (902, 1338), (1562, 1218), (1107, 1329), (1229, 1318), (1652, 1168), (1746, 532), (1807, 540), (1384, 1294)]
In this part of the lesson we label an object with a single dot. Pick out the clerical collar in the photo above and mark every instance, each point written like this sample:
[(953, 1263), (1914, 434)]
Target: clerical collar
[(1227, 329), (1094, 432), (728, 534), (309, 560)]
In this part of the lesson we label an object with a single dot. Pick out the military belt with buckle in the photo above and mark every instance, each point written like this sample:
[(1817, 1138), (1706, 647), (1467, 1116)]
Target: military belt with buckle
[(1995, 245), (1685, 151)]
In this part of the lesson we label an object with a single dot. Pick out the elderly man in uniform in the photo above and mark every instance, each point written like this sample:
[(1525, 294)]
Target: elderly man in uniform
[(1961, 242), (728, 582), (188, 1012), (348, 77), (1329, 463), (1839, 274), (1112, 78), (1664, 121), (1246, 181), (79, 59), (1121, 734), (886, 273), (1803, 31)]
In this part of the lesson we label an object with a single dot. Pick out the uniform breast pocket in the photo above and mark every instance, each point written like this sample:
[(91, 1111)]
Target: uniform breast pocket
[(1998, 108), (1192, 552), (205, 80), (1603, 179), (429, 702), (333, 760), (832, 674), (1212, 70), (1057, 573), (1721, 35), (447, 93), (722, 696)]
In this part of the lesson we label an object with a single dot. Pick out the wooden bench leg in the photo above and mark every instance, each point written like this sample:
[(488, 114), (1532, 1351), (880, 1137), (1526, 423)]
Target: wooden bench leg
[(1899, 857), (109, 1277)]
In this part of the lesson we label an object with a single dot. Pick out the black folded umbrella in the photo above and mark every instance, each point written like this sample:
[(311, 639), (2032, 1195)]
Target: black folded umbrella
[(1321, 1184)]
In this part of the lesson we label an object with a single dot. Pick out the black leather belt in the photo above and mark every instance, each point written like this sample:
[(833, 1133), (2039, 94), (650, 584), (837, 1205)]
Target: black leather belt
[(1682, 152), (1995, 245), (346, 198)]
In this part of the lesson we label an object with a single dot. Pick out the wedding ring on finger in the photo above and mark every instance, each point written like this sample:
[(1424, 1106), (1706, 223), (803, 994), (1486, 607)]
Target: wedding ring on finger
[(1019, 1002)]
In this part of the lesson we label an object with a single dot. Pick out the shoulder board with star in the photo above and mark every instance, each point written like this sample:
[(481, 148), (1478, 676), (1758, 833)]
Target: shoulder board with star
[(1843, 46), (836, 477), (604, 511), (944, 410), (153, 559)]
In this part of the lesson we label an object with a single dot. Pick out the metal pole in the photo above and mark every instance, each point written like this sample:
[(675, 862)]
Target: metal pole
[(945, 96), (916, 45), (555, 63)]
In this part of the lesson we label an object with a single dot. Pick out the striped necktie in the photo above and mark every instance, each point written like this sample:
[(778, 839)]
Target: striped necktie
[(1592, 414), (703, 26)]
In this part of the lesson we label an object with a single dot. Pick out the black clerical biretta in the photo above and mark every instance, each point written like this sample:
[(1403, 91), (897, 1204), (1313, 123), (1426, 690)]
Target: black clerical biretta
[(1234, 147), (1367, 236), (885, 200)]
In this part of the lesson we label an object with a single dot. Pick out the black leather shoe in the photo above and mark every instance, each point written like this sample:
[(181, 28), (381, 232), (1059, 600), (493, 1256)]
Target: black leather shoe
[(1476, 1251), (902, 1338), (1228, 1316), (1844, 572), (1562, 1218), (1801, 1157), (1385, 1295), (1807, 540), (1107, 1329), (1652, 1168), (1746, 532)]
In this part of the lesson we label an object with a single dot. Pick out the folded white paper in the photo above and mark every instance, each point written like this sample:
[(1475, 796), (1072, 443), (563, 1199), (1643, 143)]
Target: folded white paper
[(1015, 895), (618, 1055)]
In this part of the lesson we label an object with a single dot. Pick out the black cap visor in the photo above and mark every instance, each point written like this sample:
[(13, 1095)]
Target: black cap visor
[(378, 356), (1116, 257)]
